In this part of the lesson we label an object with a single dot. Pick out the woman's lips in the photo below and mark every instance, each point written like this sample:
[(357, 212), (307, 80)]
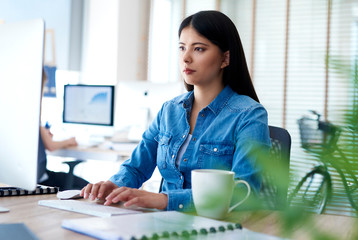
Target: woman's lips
[(188, 71)]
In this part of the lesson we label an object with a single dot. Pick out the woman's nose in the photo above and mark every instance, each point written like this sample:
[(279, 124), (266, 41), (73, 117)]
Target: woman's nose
[(186, 57)]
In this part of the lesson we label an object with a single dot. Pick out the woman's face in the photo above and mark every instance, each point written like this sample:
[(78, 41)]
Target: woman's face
[(201, 62)]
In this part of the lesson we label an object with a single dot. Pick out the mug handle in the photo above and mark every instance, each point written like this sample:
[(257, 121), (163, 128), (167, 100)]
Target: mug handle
[(247, 195)]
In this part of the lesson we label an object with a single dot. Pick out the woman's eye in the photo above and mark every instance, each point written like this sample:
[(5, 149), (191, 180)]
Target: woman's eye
[(181, 48), (199, 49)]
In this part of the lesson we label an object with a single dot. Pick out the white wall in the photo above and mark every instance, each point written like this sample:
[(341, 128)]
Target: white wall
[(100, 37), (115, 41), (133, 25), (57, 16)]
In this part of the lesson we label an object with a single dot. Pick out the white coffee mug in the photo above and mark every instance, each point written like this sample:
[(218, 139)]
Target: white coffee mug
[(212, 192)]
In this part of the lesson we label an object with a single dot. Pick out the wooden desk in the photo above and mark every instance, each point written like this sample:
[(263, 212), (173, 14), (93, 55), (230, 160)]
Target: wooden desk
[(46, 222), (269, 222)]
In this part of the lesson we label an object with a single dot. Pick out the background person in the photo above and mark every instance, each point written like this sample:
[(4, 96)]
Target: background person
[(51, 178), (46, 142)]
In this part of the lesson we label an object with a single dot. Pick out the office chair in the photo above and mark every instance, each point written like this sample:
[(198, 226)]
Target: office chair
[(275, 177), (71, 177)]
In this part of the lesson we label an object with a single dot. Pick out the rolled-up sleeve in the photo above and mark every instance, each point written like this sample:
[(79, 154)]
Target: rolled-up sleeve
[(142, 162), (180, 200)]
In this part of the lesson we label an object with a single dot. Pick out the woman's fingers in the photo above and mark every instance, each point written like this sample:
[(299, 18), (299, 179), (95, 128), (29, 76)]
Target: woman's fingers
[(130, 196), (138, 201), (105, 189), (125, 194), (137, 197), (94, 191), (85, 192), (115, 196), (98, 190), (149, 200)]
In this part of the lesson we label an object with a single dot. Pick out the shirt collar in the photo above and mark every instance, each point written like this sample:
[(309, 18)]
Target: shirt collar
[(215, 106), (221, 100)]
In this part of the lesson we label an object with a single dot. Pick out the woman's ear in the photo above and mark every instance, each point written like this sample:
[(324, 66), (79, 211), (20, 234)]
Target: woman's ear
[(226, 60)]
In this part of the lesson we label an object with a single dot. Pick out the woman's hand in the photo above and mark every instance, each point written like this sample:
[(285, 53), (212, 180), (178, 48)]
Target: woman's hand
[(71, 142), (51, 145), (99, 190), (140, 198)]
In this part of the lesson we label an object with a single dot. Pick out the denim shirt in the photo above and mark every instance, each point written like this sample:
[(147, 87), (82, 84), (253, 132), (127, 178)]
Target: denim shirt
[(223, 138)]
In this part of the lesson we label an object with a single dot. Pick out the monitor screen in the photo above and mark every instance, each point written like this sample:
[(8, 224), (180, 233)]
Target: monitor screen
[(88, 104), (21, 61)]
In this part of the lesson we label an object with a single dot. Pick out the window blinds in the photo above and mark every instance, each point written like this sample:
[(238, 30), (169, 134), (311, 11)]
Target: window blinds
[(287, 52)]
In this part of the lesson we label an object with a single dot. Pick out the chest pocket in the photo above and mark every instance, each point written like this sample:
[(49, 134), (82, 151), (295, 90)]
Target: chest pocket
[(216, 155), (163, 140)]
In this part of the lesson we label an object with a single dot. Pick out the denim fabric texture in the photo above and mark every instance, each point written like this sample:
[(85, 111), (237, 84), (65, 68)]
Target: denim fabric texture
[(226, 134)]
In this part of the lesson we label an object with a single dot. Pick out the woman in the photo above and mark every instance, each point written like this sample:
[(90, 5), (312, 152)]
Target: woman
[(216, 124)]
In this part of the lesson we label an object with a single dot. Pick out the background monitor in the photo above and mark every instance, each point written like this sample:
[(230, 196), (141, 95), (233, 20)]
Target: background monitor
[(88, 104), (21, 62), (138, 102)]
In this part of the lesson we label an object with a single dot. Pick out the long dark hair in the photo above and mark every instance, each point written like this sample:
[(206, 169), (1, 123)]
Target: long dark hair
[(221, 31)]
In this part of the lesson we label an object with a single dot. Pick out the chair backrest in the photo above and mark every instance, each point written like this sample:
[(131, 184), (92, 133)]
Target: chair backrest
[(275, 183)]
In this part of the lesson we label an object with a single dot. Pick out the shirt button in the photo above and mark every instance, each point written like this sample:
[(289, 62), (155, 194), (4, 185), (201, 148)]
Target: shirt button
[(215, 149), (202, 114), (181, 206), (173, 156), (194, 139), (181, 177), (185, 159), (184, 136)]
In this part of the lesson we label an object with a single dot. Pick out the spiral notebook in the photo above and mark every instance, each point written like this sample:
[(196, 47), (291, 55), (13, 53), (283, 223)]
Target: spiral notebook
[(156, 225)]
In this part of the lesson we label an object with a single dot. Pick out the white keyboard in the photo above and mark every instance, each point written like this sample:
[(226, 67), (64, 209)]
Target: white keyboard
[(89, 208)]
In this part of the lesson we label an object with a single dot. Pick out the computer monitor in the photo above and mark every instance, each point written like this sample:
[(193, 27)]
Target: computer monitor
[(21, 62), (88, 104), (138, 102)]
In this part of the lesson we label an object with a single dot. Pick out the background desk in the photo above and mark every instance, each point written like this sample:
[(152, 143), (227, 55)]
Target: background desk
[(102, 162), (46, 222), (115, 152), (108, 157)]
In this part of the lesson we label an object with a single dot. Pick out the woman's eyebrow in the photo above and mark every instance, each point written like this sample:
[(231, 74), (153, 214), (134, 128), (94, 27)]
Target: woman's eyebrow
[(195, 43)]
